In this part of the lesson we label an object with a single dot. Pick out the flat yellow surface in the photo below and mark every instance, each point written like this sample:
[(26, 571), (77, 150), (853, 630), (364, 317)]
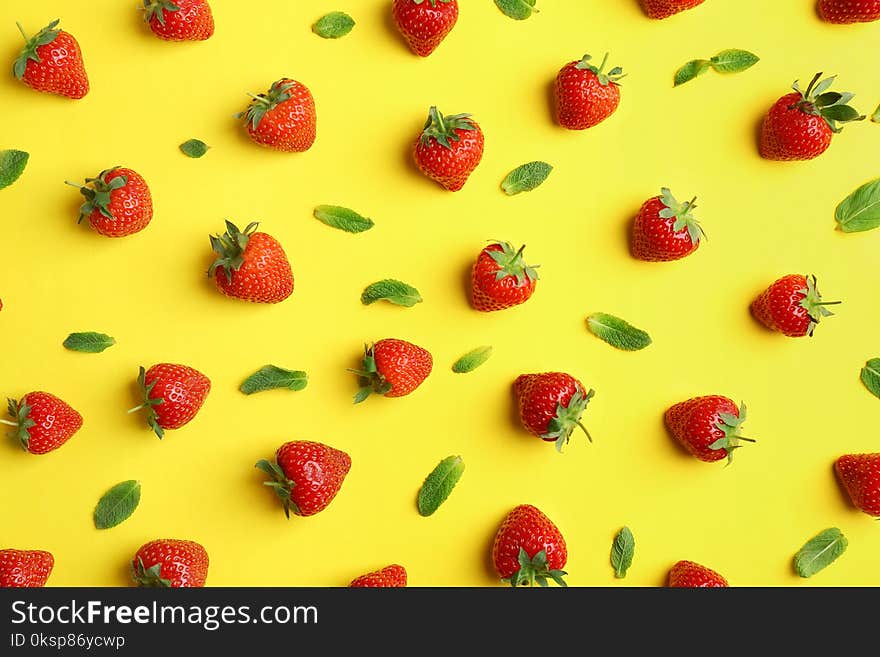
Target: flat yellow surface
[(764, 219)]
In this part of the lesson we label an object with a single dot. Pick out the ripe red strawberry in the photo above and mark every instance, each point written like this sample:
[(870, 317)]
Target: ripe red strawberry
[(860, 476), (306, 476), (170, 563), (392, 576), (690, 575), (666, 8), (393, 368), (51, 61), (424, 23), (42, 422), (708, 427), (250, 265), (118, 202), (25, 568), (173, 394), (501, 278), (849, 11), (179, 20), (586, 95), (529, 548), (792, 305), (665, 229), (551, 405), (283, 118), (449, 148), (800, 125)]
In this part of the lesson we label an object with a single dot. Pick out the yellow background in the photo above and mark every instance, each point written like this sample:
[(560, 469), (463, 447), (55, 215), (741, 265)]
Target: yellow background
[(764, 219)]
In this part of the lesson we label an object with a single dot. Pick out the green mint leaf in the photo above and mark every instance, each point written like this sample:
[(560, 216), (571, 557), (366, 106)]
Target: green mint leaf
[(333, 25), (617, 332), (12, 164), (526, 177), (393, 291), (820, 552), (194, 148), (691, 70), (89, 342), (117, 504), (875, 117), (622, 551), (472, 360), (860, 210), (871, 376), (271, 377), (439, 484), (734, 61), (517, 9), (342, 218)]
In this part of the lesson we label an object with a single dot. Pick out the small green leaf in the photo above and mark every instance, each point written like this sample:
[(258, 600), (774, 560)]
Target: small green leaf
[(622, 551), (871, 376), (12, 164), (517, 9), (820, 552), (734, 61), (393, 291), (691, 70), (342, 218), (472, 360), (194, 148), (526, 177), (89, 342), (842, 113), (271, 377), (117, 504), (860, 210), (333, 25), (439, 484), (617, 332), (875, 117)]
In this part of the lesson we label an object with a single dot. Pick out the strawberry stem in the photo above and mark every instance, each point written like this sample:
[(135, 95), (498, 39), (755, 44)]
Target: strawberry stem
[(23, 33), (135, 409), (9, 423), (584, 429)]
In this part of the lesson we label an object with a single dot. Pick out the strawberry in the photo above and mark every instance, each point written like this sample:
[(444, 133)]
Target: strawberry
[(849, 11), (51, 61), (690, 575), (250, 265), (118, 202), (665, 229), (283, 118), (529, 548), (393, 368), (25, 568), (666, 8), (42, 422), (800, 125), (173, 394), (179, 20), (392, 576), (449, 148), (170, 563), (424, 23), (306, 476), (860, 476), (792, 305), (501, 278), (708, 427), (586, 95), (551, 405)]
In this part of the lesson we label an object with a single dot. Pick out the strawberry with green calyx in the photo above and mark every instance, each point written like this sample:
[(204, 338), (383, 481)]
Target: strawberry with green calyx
[(529, 549), (392, 368), (118, 202), (585, 94), (551, 405), (41, 422), (708, 427), (170, 563), (424, 23), (284, 118), (172, 395), (179, 20), (501, 279), (449, 148), (792, 305), (665, 229), (51, 61)]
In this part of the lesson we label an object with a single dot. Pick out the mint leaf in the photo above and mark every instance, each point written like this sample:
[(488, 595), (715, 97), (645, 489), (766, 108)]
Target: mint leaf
[(89, 343), (517, 9), (117, 504), (622, 551), (271, 377), (860, 210), (617, 332), (12, 164), (439, 484), (194, 148), (820, 552), (526, 177), (691, 70), (871, 376), (334, 25), (733, 61), (472, 360), (393, 291), (342, 218)]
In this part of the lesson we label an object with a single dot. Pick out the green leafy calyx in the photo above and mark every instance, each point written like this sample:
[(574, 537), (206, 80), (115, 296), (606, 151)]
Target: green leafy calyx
[(370, 379), (511, 263), (830, 105), (278, 93), (567, 418), (230, 247), (149, 403), (729, 425), (534, 570), (280, 484), (443, 128), (149, 577), (42, 38), (814, 305), (20, 412), (682, 213), (611, 77), (98, 195), (158, 8)]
